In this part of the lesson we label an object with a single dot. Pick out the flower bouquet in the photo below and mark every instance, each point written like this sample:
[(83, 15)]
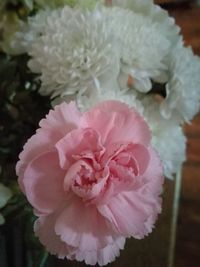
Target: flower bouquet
[(101, 89)]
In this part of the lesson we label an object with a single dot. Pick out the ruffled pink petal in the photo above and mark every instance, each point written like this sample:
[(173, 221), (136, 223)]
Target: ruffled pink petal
[(77, 142), (109, 253), (134, 212), (44, 230), (62, 120), (102, 256), (43, 183), (35, 146), (74, 172), (91, 233), (137, 154), (126, 215), (116, 122), (56, 125), (87, 190), (140, 155), (153, 176), (121, 180)]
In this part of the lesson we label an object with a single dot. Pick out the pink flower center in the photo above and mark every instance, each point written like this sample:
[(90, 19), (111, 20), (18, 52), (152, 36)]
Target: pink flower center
[(86, 177), (92, 173)]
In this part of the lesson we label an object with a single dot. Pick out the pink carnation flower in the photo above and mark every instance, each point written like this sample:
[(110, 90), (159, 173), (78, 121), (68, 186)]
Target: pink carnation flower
[(93, 180)]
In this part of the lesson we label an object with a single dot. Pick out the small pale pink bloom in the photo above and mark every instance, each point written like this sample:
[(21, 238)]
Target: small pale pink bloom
[(93, 180)]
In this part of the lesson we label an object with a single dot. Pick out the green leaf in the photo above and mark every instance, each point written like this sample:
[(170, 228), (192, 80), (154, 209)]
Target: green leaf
[(43, 259)]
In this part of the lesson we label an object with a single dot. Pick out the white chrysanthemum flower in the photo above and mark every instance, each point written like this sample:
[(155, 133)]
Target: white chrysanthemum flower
[(159, 33), (155, 13), (112, 91), (86, 102), (171, 146), (167, 137), (5, 195), (30, 32), (143, 48), (73, 51), (183, 88)]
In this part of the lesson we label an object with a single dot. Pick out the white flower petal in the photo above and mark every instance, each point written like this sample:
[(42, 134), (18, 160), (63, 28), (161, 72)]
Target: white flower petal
[(72, 49), (183, 89), (167, 137)]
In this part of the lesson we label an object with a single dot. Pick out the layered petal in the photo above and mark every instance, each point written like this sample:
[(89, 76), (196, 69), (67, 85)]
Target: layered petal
[(127, 215), (62, 120), (43, 183), (57, 123), (44, 230), (78, 142), (115, 122), (102, 256), (131, 155), (133, 212), (93, 233), (87, 183), (36, 145), (153, 176)]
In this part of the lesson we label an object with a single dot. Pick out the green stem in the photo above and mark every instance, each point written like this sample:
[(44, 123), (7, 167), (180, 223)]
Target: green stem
[(44, 259)]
